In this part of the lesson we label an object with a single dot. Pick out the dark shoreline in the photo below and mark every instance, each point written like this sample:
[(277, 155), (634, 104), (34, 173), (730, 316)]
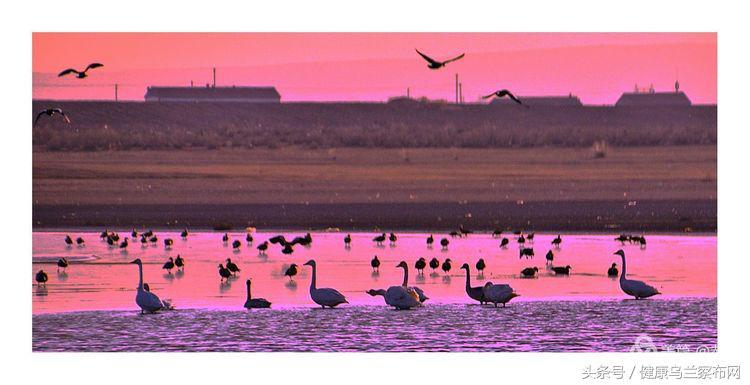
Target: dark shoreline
[(599, 216)]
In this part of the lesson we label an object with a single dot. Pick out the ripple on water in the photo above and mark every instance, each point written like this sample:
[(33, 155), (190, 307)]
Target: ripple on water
[(542, 326)]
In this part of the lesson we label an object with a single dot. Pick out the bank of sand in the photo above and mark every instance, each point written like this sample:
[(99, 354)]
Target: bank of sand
[(669, 189)]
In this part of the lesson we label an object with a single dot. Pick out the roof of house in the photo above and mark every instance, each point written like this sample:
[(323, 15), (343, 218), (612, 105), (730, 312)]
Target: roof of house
[(567, 100), (653, 99), (213, 92)]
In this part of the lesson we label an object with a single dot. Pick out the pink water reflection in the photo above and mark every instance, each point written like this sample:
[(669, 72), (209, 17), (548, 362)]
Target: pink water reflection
[(101, 278)]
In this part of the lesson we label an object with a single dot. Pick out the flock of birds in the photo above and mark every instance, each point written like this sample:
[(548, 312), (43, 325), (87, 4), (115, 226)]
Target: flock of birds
[(400, 297), (431, 64)]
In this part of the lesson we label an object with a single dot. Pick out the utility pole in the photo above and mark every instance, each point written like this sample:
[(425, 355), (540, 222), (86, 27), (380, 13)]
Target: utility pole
[(456, 88), (115, 91)]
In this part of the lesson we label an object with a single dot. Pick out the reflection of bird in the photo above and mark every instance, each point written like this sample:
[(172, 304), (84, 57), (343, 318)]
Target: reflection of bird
[(80, 74), (375, 263), (637, 289), (50, 112), (41, 278), (146, 300), (529, 272), (291, 271), (255, 303), (503, 93), (475, 293), (323, 296), (434, 64)]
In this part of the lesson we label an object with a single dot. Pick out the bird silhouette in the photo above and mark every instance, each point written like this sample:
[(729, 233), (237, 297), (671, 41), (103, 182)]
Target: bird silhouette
[(434, 64), (49, 112), (80, 74), (504, 93)]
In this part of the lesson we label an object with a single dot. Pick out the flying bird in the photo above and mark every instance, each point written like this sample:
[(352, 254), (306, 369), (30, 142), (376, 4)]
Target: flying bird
[(80, 74), (50, 112), (503, 93), (434, 64)]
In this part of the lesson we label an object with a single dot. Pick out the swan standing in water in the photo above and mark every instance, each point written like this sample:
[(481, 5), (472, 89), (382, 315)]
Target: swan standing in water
[(146, 300), (323, 296), (498, 293), (475, 293), (255, 303), (399, 297), (405, 284), (637, 289)]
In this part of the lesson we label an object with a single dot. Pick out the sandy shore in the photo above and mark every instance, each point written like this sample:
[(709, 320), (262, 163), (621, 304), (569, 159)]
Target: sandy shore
[(556, 189)]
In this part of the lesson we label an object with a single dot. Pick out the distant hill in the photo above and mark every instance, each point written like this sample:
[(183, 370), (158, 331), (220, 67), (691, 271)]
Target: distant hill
[(98, 125)]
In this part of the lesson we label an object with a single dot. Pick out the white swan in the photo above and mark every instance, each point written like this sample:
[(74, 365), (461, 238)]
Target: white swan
[(398, 296), (637, 289), (146, 300), (324, 296), (498, 293), (405, 284)]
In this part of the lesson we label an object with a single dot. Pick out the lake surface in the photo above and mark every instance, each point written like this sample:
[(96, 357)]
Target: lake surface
[(91, 306)]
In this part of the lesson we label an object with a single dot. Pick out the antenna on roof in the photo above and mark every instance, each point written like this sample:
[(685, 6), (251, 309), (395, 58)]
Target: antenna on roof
[(677, 80), (214, 77)]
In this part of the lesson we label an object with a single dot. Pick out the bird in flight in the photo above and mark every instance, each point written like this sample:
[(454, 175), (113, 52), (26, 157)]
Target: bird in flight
[(434, 64), (503, 93), (50, 112), (80, 74)]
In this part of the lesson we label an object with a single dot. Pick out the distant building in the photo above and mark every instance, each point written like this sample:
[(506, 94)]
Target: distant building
[(567, 100), (213, 94), (652, 98)]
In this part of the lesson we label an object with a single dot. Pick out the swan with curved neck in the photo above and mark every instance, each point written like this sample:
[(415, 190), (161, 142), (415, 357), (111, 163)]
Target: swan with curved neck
[(420, 293), (146, 300), (255, 303), (399, 297), (323, 296), (475, 293), (637, 289)]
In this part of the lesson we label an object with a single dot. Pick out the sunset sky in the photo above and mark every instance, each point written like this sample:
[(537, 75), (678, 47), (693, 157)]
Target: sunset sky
[(597, 67)]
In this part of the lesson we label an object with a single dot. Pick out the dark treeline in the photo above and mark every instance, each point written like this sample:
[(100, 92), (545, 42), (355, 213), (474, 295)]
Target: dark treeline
[(137, 125)]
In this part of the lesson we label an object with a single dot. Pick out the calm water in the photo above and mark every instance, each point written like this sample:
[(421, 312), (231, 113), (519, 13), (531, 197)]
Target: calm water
[(585, 311)]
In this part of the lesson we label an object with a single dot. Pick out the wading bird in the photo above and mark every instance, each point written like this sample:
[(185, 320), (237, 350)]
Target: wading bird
[(420, 265), (255, 303), (560, 270), (434, 64), (549, 257), (168, 242), (399, 297), (504, 242), (146, 300), (323, 296), (262, 247), (52, 111), (80, 241), (68, 240), (62, 263), (637, 289), (232, 267), (249, 238), (480, 266), (224, 272), (179, 262), (379, 239), (529, 272), (430, 240), (527, 252), (476, 293), (434, 264), (348, 240), (375, 263), (169, 265), (405, 283), (80, 74), (557, 241), (498, 293), (444, 243), (612, 271), (184, 233), (446, 265), (41, 278), (236, 244), (291, 271)]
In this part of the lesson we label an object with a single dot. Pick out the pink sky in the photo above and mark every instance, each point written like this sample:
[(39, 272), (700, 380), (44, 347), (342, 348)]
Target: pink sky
[(597, 67)]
